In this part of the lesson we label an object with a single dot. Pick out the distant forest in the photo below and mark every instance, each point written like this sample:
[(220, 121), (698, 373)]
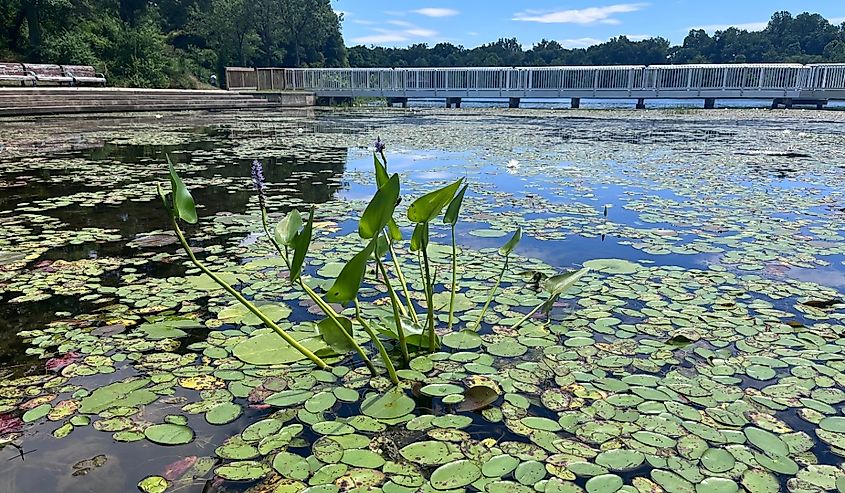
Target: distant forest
[(180, 43), (171, 43), (806, 38)]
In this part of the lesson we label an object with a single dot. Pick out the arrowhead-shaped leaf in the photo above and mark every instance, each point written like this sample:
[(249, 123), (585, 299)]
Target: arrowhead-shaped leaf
[(419, 239), (382, 178), (288, 227), (380, 209), (557, 285), (333, 336), (348, 282), (451, 216), (508, 247), (183, 203), (427, 207), (301, 243)]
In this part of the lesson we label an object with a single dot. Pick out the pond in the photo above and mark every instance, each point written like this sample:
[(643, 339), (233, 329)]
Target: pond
[(702, 351)]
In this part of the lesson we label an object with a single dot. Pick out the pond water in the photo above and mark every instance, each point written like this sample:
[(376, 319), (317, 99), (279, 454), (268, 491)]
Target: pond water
[(702, 352)]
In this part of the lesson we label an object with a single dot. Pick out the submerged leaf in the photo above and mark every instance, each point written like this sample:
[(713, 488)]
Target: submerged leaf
[(477, 398), (333, 336)]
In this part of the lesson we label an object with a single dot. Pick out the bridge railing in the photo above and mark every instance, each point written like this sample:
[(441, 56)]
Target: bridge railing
[(635, 80), (829, 76)]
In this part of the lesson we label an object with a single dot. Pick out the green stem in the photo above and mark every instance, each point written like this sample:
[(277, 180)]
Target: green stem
[(403, 283), (316, 298), (528, 315), (490, 296), (429, 294), (335, 318), (391, 370), (269, 323), (394, 302), (454, 280)]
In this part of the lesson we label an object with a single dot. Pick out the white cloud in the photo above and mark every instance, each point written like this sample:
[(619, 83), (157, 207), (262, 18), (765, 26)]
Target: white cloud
[(377, 39), (410, 34), (400, 23), (748, 26), (580, 42), (436, 12), (590, 15), (836, 20), (638, 37)]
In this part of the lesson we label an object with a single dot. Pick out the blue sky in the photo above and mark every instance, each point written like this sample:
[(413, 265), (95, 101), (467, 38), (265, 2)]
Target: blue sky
[(573, 23)]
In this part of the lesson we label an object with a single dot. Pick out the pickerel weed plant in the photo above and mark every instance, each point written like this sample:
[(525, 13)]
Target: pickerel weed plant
[(291, 237)]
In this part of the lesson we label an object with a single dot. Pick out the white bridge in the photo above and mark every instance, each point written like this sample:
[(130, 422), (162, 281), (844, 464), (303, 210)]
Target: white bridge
[(784, 84)]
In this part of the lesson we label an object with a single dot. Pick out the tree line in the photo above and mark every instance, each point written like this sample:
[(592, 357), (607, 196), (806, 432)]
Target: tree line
[(179, 43), (171, 43), (805, 38)]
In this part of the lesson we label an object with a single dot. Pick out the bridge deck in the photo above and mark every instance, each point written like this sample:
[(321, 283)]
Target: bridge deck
[(735, 81)]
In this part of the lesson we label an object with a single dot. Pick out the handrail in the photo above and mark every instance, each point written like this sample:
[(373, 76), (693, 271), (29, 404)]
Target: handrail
[(633, 80)]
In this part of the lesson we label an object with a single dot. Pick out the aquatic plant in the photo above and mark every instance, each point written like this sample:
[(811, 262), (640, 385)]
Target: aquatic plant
[(292, 236)]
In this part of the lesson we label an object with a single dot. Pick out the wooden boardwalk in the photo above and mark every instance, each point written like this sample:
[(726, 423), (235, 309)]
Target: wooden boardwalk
[(784, 84)]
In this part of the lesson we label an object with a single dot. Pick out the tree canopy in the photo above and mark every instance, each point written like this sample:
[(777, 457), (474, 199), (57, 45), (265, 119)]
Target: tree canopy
[(179, 43), (171, 42), (806, 38)]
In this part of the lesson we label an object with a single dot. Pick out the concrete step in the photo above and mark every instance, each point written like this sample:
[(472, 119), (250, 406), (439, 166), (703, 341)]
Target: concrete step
[(55, 100), (125, 108), (109, 102)]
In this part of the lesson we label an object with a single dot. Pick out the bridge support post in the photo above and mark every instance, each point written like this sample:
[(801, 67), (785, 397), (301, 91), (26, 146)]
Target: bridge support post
[(453, 101), (785, 102), (402, 101), (641, 104), (709, 103), (575, 103), (513, 102)]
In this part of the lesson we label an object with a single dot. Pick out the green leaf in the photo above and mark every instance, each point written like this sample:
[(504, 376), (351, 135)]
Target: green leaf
[(333, 336), (348, 282), (382, 178), (288, 228), (380, 209), (301, 243), (451, 216), (381, 171), (559, 284), (512, 243), (382, 247), (183, 203), (427, 207), (419, 239)]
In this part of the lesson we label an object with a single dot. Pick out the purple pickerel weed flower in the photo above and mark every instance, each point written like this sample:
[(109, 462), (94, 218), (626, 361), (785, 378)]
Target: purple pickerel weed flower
[(258, 183), (380, 146)]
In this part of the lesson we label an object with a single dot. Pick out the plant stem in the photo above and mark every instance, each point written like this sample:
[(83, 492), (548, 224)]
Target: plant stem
[(334, 317), (238, 296), (429, 294), (325, 307), (403, 283), (391, 370), (454, 280), (490, 296), (528, 315), (394, 302)]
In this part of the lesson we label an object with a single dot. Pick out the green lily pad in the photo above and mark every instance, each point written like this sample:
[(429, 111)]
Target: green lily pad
[(169, 434)]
